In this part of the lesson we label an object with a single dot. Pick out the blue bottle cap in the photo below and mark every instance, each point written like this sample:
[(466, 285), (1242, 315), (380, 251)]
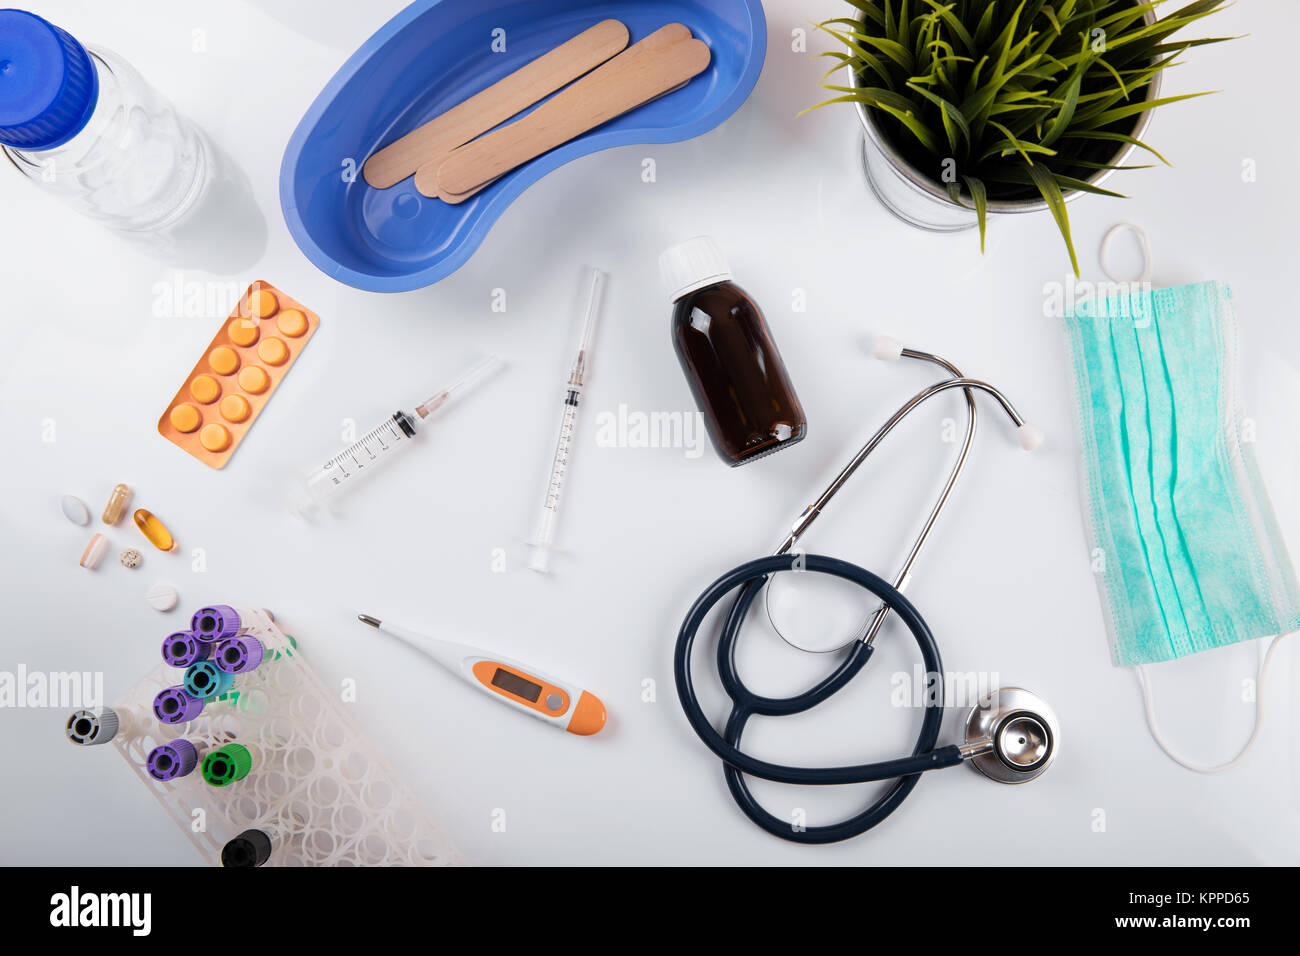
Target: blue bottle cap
[(48, 84)]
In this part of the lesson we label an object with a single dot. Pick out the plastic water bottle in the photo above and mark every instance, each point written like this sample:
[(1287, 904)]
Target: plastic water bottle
[(83, 124)]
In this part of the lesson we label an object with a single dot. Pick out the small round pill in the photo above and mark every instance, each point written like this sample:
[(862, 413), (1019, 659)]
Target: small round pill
[(224, 360), (185, 418), (261, 303), (214, 437), (162, 597), (291, 322), (130, 558), (75, 510), (253, 379), (205, 389), (234, 408), (273, 351), (242, 331)]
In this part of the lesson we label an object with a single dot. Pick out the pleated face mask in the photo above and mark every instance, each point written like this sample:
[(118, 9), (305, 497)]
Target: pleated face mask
[(1187, 550)]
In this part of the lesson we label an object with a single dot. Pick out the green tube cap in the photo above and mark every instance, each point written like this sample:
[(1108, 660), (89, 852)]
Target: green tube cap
[(225, 765)]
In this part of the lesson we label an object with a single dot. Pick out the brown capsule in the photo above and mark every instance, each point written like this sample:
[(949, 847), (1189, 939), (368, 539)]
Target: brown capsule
[(117, 502)]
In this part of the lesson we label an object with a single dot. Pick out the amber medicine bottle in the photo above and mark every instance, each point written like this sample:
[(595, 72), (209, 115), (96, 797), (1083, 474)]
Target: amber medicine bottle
[(726, 350)]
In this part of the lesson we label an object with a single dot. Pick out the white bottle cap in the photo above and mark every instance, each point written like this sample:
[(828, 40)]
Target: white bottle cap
[(692, 265)]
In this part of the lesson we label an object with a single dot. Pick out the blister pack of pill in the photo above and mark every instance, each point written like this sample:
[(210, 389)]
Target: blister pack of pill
[(237, 375), (268, 768)]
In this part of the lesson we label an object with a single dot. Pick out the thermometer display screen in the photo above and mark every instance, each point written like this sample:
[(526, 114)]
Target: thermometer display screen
[(514, 684)]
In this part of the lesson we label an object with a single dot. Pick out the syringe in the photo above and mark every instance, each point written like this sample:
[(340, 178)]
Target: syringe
[(593, 283), (317, 491)]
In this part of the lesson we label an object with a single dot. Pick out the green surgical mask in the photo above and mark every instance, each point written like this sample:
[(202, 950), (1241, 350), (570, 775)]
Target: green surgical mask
[(1187, 549)]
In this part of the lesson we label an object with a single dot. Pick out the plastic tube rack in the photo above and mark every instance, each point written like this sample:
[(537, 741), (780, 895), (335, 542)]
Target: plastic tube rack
[(317, 786)]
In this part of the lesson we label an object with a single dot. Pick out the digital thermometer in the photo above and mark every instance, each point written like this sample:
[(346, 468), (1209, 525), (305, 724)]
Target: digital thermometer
[(559, 704)]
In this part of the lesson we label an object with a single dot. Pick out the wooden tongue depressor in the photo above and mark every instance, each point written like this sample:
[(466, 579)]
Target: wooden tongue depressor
[(662, 61), (500, 101), (461, 197), (426, 179)]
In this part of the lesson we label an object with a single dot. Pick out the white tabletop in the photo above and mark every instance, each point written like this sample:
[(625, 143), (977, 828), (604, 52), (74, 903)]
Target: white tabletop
[(1006, 586)]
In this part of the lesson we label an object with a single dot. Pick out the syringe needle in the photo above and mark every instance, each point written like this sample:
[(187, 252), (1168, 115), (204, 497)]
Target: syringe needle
[(469, 378), (594, 291)]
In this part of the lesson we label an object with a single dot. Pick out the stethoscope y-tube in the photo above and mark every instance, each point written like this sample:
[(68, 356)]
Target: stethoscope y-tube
[(751, 577)]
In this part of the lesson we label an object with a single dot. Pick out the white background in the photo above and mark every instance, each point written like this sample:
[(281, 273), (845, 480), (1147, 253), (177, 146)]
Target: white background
[(1006, 585)]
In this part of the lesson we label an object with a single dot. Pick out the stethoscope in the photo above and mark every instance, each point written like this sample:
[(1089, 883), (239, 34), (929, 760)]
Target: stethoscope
[(1011, 735)]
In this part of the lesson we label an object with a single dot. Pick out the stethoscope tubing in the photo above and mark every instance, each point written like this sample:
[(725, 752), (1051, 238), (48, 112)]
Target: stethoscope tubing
[(745, 704)]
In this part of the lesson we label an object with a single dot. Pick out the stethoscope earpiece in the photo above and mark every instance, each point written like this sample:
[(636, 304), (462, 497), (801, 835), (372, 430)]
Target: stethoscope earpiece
[(1011, 736)]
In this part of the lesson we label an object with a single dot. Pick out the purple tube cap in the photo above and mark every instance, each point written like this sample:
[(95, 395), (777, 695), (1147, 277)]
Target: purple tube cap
[(182, 649), (174, 706), (169, 761), (239, 655), (215, 623)]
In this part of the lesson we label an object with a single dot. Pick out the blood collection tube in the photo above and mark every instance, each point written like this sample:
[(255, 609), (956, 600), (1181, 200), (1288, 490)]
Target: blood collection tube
[(251, 848), (225, 765), (204, 680), (239, 655), (220, 621), (174, 706), (90, 727), (172, 760), (182, 649)]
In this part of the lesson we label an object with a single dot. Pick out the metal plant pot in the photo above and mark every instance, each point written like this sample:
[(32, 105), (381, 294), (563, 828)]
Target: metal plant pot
[(923, 201)]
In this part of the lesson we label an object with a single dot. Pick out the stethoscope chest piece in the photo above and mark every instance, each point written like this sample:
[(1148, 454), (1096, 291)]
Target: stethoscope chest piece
[(1012, 736)]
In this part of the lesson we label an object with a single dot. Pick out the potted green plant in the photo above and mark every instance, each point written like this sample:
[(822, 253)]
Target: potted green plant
[(979, 107)]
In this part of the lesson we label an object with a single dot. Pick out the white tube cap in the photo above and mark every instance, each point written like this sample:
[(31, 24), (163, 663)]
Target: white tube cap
[(1029, 435), (692, 265), (888, 349)]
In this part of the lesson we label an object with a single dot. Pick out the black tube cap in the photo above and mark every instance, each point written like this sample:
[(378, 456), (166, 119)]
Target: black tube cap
[(250, 848)]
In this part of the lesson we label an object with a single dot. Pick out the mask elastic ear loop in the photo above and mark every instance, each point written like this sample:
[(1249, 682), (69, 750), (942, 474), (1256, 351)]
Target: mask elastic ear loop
[(1150, 705), (1143, 243)]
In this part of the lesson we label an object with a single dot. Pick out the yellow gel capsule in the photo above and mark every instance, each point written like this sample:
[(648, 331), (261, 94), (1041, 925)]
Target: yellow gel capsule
[(223, 360), (291, 322), (185, 418), (273, 351), (254, 379), (262, 303), (155, 531), (205, 389), (214, 437), (117, 501), (242, 332), (234, 408)]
